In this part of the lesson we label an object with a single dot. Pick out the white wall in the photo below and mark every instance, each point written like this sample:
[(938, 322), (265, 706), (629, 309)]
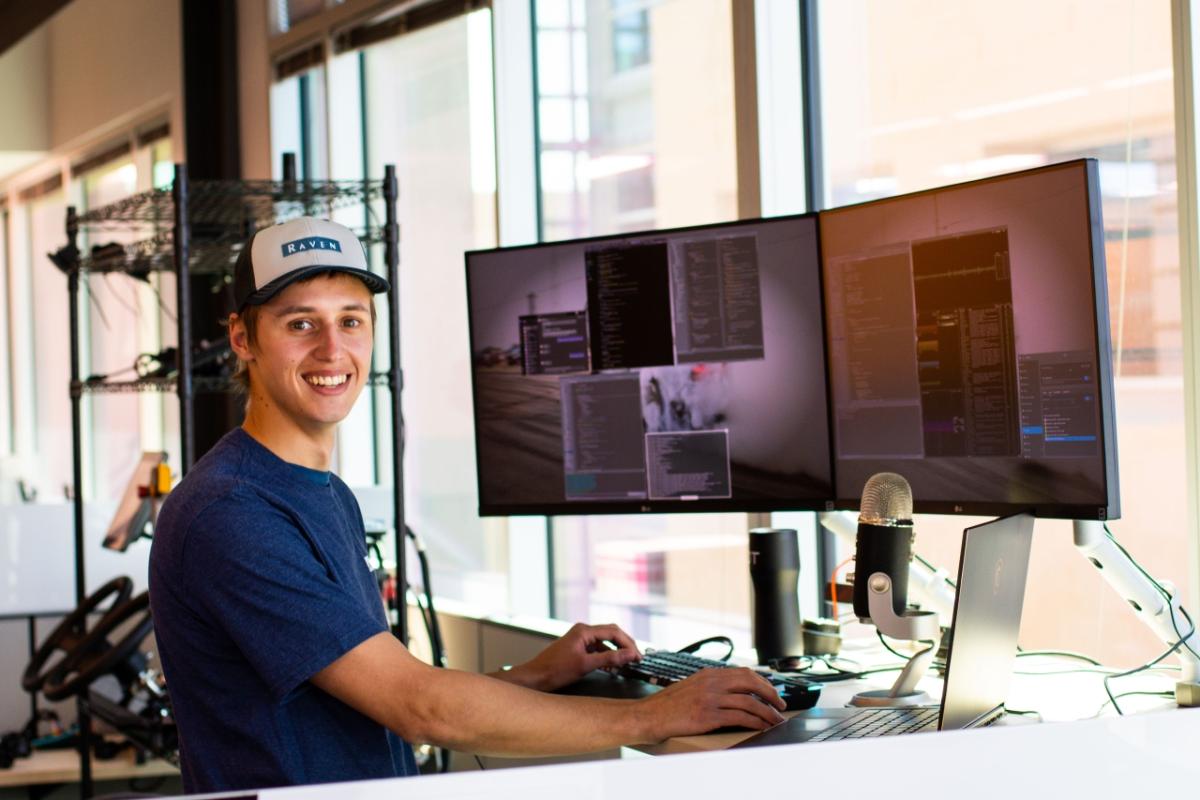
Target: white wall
[(25, 123), (112, 59)]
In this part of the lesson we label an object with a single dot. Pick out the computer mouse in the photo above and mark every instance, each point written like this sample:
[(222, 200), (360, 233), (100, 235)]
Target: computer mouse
[(799, 694)]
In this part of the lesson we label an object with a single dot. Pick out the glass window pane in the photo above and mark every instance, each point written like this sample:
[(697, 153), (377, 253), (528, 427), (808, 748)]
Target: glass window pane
[(555, 121), (657, 81), (286, 13), (428, 112), (651, 88), (1000, 92)]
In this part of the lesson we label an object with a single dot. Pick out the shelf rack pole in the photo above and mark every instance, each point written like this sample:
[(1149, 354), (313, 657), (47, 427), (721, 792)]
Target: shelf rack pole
[(183, 314), (391, 254), (85, 723)]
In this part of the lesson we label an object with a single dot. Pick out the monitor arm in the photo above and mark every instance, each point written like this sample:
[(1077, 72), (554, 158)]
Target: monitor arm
[(1163, 615)]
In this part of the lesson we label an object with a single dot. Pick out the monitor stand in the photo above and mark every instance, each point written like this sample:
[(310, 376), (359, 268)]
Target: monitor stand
[(1155, 603)]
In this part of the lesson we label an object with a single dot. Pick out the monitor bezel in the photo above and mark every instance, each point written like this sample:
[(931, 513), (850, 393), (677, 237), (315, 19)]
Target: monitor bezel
[(617, 507), (1106, 395)]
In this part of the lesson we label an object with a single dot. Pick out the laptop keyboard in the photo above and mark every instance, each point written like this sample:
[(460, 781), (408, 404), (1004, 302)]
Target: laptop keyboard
[(881, 722)]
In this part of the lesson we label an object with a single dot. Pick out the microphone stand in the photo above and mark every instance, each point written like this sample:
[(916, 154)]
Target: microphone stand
[(915, 626), (929, 585)]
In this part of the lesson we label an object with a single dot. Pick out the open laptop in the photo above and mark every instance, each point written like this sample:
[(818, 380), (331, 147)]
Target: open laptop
[(987, 620)]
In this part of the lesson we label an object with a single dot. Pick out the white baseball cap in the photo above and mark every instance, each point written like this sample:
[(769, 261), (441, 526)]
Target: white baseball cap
[(278, 256)]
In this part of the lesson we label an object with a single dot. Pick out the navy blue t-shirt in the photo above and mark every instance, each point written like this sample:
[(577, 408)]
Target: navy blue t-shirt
[(259, 579)]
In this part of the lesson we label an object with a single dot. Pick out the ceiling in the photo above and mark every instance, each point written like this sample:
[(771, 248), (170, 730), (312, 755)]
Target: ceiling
[(19, 17)]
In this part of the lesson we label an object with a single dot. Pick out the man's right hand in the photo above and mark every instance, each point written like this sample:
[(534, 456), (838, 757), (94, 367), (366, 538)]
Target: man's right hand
[(711, 699)]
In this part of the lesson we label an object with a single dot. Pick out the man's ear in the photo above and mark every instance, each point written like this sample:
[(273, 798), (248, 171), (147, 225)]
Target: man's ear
[(239, 339)]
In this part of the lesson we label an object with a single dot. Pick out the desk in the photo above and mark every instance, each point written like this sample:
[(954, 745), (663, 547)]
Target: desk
[(1057, 688), (1144, 755), (62, 766)]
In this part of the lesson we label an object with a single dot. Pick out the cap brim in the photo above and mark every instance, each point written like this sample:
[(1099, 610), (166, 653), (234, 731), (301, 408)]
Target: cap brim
[(375, 283)]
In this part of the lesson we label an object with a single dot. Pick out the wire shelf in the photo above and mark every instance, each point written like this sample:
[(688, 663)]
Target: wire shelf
[(201, 384), (236, 205), (206, 257)]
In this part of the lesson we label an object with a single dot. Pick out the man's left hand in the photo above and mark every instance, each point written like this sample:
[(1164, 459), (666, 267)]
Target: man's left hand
[(582, 649)]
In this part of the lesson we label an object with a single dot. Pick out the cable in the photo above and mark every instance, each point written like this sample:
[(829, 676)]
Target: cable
[(1020, 713), (435, 630), (1108, 690), (429, 614), (694, 646), (1129, 694), (1162, 591), (1093, 671), (833, 601), (1059, 653)]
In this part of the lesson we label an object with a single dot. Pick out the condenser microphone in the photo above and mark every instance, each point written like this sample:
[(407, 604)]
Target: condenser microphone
[(884, 540)]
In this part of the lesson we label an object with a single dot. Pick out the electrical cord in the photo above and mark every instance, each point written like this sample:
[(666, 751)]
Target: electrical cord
[(1162, 591), (695, 646), (1060, 653), (1108, 689), (1182, 641), (1113, 703), (433, 628), (429, 615), (1020, 713)]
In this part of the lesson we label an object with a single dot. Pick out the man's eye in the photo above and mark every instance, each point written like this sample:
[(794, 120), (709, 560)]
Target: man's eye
[(353, 322), (300, 325)]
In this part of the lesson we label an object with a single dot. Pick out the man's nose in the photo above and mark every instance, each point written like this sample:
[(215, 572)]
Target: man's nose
[(329, 344)]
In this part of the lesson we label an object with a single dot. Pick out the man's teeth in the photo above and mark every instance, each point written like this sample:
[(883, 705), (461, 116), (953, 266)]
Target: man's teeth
[(327, 380)]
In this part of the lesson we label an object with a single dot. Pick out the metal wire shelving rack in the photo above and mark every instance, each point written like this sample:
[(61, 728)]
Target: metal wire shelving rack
[(197, 227)]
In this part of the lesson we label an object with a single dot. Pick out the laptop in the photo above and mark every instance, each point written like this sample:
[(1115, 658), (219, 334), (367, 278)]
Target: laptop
[(987, 621)]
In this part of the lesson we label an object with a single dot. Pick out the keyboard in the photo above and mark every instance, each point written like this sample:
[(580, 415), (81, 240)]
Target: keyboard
[(881, 722), (663, 667)]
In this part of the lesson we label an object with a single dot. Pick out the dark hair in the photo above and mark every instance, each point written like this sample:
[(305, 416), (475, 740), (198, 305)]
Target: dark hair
[(249, 318)]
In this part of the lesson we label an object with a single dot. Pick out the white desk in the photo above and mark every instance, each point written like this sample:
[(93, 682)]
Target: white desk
[(1144, 755)]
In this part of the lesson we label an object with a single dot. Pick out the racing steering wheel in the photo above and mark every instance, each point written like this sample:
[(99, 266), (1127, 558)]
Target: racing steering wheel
[(66, 637), (95, 655)]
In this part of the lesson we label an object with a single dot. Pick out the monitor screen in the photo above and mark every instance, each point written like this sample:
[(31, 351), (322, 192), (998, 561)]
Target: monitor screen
[(677, 370), (968, 339)]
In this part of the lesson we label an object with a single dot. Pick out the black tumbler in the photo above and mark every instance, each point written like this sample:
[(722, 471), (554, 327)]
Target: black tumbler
[(775, 572)]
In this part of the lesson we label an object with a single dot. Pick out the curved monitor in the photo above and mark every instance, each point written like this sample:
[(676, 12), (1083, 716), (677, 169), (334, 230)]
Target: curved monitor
[(674, 370), (968, 339)]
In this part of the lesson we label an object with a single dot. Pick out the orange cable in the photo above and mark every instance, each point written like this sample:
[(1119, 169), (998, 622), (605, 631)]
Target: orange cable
[(833, 585)]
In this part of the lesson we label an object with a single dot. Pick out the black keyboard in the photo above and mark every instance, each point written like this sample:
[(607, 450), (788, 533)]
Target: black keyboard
[(881, 722), (662, 668)]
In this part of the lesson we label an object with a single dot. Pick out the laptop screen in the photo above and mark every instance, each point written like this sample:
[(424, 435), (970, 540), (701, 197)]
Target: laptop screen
[(987, 618)]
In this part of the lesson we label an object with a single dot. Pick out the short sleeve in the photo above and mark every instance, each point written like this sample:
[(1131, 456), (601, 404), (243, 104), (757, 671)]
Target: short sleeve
[(254, 570)]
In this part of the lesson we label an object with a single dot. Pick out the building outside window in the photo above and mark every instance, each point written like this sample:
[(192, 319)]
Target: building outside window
[(998, 92), (636, 131)]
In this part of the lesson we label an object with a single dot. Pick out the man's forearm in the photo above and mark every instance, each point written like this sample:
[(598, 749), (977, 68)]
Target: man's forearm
[(484, 715), (477, 713)]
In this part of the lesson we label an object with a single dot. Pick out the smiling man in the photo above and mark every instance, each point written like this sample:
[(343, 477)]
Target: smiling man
[(272, 634)]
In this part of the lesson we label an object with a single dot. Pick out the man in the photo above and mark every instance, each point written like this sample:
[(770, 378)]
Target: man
[(272, 634)]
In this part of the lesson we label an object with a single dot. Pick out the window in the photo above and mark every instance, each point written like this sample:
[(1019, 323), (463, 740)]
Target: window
[(286, 13), (635, 115), (111, 314), (636, 131), (429, 112), (298, 124), (997, 92), (8, 421)]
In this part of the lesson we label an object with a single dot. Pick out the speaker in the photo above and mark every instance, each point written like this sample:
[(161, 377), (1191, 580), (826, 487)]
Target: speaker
[(775, 573)]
